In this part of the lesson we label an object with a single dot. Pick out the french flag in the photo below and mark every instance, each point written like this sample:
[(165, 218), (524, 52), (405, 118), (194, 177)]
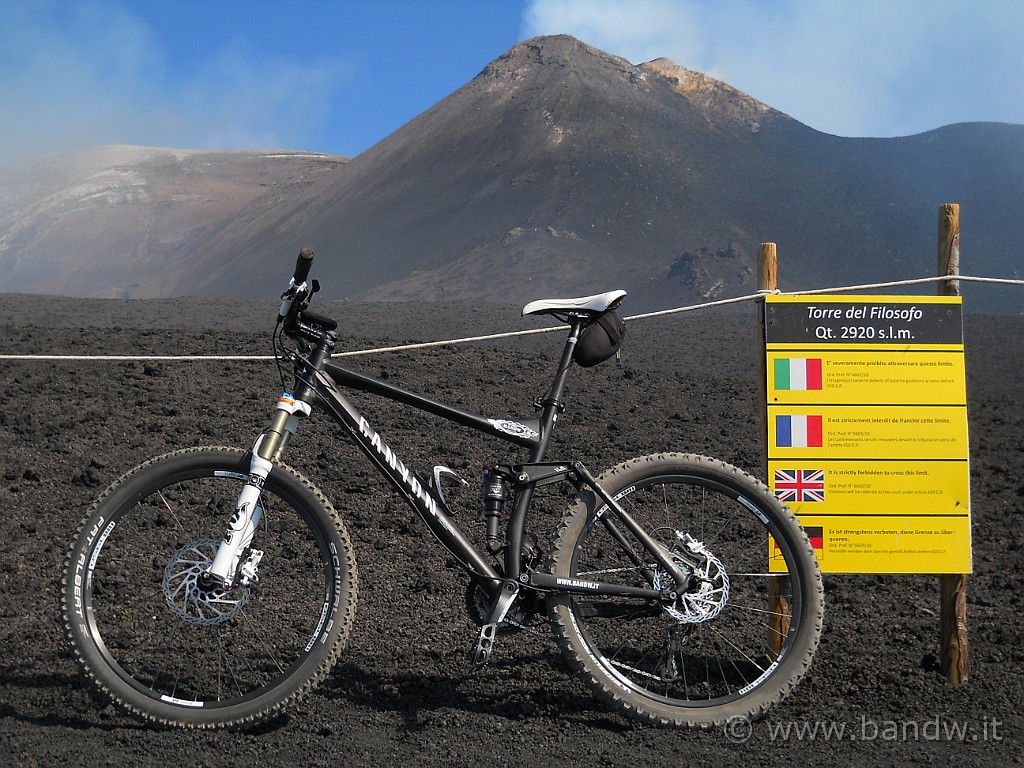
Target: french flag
[(798, 431)]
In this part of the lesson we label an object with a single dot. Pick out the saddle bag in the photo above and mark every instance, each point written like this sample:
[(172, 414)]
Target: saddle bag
[(600, 339)]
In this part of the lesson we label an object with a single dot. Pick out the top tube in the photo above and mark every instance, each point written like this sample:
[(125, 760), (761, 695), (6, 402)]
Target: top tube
[(523, 432)]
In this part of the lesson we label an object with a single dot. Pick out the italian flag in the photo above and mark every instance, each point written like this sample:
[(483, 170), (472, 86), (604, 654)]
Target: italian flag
[(798, 373), (798, 431)]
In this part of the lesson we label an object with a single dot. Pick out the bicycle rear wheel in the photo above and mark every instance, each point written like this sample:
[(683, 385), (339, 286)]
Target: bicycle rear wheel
[(726, 649), (166, 649)]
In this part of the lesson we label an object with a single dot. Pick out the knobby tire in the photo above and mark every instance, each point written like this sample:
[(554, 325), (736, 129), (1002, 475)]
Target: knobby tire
[(168, 652), (704, 672)]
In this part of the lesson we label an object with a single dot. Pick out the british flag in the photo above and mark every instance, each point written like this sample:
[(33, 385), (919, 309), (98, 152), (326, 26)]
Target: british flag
[(800, 484)]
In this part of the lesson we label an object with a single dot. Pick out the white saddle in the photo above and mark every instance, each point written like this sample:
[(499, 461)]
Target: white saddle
[(596, 304)]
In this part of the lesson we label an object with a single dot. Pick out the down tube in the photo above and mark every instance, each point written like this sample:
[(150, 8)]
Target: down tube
[(406, 482)]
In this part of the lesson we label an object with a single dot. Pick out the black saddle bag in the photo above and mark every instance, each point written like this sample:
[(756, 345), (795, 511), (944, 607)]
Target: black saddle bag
[(600, 339)]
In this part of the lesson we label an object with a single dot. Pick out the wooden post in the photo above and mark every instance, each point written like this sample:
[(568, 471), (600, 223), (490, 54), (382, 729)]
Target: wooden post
[(953, 648), (767, 268), (949, 248), (780, 613)]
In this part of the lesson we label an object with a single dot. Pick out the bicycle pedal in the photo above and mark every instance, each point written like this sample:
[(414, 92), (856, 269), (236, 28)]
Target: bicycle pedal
[(484, 644)]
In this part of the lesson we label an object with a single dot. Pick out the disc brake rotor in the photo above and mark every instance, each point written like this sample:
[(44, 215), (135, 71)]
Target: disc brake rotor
[(192, 602), (711, 591)]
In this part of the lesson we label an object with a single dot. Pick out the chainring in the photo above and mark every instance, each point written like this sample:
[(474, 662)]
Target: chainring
[(518, 618)]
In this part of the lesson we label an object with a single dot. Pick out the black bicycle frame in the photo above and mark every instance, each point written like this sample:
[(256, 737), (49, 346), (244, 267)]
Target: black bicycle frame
[(320, 379)]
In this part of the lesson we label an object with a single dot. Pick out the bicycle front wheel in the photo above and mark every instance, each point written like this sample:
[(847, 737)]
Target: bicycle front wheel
[(168, 650), (733, 644)]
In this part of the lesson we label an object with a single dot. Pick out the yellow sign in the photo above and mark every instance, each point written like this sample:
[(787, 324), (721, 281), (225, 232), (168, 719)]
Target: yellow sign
[(867, 430), (858, 488)]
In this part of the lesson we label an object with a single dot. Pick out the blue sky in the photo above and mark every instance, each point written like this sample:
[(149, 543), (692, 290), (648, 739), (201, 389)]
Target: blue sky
[(339, 76)]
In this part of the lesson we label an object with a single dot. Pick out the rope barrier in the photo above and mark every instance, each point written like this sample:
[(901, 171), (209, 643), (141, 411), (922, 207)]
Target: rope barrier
[(511, 334)]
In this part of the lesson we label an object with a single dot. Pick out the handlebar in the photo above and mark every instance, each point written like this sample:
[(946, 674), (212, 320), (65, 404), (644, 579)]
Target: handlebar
[(302, 265), (297, 284), (298, 321)]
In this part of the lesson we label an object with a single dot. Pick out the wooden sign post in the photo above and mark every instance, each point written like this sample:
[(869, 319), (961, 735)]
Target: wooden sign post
[(779, 611), (953, 649)]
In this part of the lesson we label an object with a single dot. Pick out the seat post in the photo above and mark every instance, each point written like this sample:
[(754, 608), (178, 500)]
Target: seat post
[(552, 403)]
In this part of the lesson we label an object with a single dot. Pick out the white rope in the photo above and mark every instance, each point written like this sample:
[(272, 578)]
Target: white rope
[(466, 340), (915, 281), (137, 358), (511, 334), (400, 348), (693, 307)]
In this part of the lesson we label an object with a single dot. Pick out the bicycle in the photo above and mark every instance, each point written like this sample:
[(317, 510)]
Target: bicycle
[(215, 586)]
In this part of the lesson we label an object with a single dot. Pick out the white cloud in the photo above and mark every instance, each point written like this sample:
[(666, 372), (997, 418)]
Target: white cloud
[(638, 30), (75, 75), (875, 67), (238, 99)]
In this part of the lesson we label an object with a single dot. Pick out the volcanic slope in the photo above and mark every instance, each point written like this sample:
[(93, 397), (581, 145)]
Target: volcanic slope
[(121, 221), (561, 169), (558, 170)]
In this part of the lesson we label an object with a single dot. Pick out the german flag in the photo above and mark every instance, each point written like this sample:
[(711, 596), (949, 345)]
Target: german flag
[(815, 533), (817, 537)]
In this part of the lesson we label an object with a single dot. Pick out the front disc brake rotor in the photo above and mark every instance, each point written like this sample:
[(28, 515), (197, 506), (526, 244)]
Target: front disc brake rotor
[(190, 600)]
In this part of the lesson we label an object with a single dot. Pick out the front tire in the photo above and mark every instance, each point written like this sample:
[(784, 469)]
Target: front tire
[(722, 652), (167, 650)]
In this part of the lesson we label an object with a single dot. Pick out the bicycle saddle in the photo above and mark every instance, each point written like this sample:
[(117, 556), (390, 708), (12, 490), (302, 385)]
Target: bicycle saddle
[(594, 304)]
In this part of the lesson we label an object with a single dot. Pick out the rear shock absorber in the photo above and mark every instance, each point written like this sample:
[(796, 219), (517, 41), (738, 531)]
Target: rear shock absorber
[(496, 484)]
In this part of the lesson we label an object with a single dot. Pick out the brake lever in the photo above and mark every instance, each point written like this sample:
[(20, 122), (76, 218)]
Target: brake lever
[(303, 293), (288, 297)]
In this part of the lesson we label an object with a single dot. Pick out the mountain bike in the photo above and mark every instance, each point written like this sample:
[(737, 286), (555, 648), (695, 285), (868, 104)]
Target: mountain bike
[(215, 586)]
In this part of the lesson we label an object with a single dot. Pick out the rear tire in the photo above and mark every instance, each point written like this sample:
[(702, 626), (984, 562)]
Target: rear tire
[(166, 650), (718, 654)]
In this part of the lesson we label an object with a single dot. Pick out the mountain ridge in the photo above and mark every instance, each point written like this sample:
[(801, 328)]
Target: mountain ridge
[(559, 170)]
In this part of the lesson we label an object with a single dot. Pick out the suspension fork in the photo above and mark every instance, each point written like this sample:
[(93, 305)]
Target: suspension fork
[(248, 509)]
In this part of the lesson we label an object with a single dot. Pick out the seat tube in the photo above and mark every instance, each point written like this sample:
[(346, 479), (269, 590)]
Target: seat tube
[(552, 402), (552, 406)]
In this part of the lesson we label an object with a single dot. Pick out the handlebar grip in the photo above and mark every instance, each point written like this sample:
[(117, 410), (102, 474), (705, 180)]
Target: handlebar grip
[(302, 265)]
